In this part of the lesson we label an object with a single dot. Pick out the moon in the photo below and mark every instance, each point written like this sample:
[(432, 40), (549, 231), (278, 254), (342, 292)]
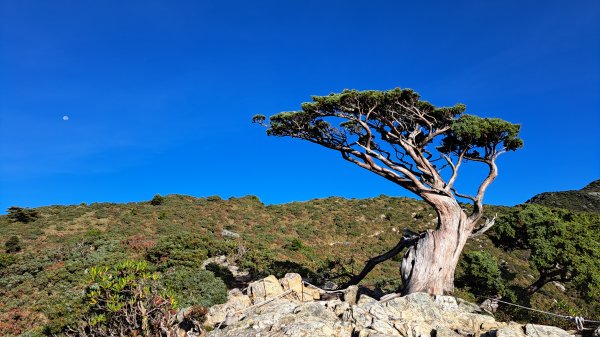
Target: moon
[(65, 118)]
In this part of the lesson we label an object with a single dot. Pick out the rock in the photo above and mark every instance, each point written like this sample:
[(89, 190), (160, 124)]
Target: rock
[(443, 331), (420, 330), (489, 305), (560, 286), (446, 302), (416, 307), (545, 330), (365, 300), (236, 303), (360, 317), (384, 328), (414, 315), (511, 330), (351, 294), (293, 281), (229, 234), (266, 288), (597, 332), (309, 319)]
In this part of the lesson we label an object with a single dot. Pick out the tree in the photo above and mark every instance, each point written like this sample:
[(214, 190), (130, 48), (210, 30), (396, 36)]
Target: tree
[(565, 246), (402, 138), (20, 214), (157, 200)]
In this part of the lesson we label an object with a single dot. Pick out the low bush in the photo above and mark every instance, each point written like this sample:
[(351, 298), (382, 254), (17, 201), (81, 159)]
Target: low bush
[(13, 244), (191, 286), (157, 200)]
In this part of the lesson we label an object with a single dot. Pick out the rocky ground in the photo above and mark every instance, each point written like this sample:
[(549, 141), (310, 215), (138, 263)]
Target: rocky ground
[(290, 307)]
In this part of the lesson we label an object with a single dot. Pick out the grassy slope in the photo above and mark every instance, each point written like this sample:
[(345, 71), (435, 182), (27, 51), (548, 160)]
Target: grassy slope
[(43, 284)]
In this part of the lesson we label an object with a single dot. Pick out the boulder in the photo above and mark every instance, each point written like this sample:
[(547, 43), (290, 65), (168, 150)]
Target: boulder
[(261, 290), (304, 293), (351, 294), (230, 311), (545, 330), (511, 330)]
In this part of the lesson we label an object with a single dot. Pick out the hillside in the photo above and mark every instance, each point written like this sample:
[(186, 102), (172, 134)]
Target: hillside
[(586, 199), (323, 240)]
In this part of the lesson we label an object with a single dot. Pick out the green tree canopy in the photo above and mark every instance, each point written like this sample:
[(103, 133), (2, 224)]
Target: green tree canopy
[(395, 134), (565, 245), (404, 139)]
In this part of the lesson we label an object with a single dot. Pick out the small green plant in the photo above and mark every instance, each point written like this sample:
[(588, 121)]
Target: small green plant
[(294, 245), (20, 214), (157, 200), (6, 260), (124, 300), (13, 244)]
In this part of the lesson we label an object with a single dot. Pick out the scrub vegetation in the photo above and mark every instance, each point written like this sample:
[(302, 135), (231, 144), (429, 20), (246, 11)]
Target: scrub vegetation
[(45, 282)]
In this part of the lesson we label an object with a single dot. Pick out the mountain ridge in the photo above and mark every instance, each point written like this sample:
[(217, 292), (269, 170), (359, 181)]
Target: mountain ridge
[(585, 199)]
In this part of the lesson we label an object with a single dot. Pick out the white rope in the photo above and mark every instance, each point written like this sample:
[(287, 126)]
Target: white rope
[(579, 320)]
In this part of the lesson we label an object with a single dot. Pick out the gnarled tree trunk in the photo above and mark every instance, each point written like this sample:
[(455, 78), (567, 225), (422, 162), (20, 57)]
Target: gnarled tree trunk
[(429, 264)]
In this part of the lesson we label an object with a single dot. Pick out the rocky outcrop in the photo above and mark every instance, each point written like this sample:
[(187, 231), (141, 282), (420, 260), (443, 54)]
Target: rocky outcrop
[(287, 307)]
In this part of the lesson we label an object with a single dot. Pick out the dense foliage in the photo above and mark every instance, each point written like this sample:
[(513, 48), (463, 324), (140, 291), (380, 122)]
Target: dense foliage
[(13, 244), (195, 287), (157, 200), (564, 245), (24, 215), (481, 275)]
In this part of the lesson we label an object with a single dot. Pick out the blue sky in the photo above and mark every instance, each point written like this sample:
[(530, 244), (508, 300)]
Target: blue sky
[(160, 94)]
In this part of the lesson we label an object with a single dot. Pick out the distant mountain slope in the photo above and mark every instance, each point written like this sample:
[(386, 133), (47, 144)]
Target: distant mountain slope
[(585, 199)]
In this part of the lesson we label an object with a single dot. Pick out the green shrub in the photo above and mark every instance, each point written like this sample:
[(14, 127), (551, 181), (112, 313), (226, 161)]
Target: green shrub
[(294, 245), (13, 244), (6, 260), (178, 250), (20, 214), (482, 275), (125, 299), (157, 200), (191, 286)]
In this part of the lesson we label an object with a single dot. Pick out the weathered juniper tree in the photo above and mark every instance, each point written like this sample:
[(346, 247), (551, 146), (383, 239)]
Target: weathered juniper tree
[(410, 142)]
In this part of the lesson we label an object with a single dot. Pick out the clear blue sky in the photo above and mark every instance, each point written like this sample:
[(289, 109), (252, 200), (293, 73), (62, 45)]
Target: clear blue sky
[(160, 94)]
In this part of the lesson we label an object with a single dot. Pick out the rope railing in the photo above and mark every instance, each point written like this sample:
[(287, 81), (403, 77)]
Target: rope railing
[(579, 320)]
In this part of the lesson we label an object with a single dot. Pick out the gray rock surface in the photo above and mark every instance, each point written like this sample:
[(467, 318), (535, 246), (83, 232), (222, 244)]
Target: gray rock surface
[(273, 313)]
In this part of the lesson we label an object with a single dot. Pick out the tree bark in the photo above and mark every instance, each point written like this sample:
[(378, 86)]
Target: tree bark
[(545, 277), (537, 285), (429, 264)]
